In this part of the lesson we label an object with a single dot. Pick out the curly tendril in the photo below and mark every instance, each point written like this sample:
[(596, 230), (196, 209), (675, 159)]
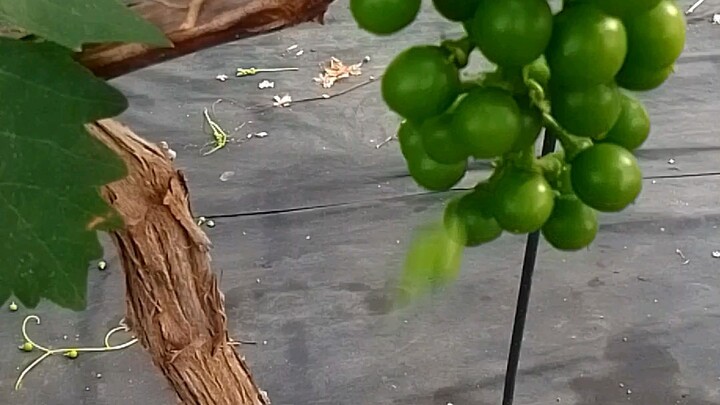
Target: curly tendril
[(70, 352)]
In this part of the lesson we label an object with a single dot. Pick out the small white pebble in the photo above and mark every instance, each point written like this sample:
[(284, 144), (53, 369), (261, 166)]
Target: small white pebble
[(87, 388), (221, 77), (662, 229), (264, 342), (671, 161), (716, 254), (307, 237), (257, 280), (629, 391), (397, 241), (624, 339), (98, 375), (621, 385)]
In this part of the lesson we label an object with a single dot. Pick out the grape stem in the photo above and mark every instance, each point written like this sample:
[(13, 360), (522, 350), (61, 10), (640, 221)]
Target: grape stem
[(459, 50), (550, 165), (572, 144), (524, 159), (556, 171)]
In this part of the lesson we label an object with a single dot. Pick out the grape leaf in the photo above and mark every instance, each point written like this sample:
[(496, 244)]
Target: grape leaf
[(51, 170), (72, 23), (433, 260)]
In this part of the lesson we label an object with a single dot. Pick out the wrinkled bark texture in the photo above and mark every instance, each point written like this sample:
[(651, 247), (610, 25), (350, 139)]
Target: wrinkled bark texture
[(173, 302)]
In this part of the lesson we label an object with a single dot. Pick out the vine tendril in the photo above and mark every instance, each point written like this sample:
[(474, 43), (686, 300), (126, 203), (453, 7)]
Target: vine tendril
[(70, 352)]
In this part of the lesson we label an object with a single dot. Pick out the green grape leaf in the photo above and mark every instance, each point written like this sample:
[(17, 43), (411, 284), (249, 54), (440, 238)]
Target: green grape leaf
[(51, 171), (72, 23), (433, 260)]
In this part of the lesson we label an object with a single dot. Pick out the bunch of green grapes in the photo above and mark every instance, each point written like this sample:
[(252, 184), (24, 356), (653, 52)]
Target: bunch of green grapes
[(569, 74)]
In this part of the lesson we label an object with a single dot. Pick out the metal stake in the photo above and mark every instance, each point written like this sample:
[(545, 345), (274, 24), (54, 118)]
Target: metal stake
[(523, 301)]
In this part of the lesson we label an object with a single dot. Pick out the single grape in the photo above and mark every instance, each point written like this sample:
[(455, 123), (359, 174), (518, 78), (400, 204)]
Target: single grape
[(523, 201), (471, 216), (632, 128), (488, 121), (572, 224), (440, 142), (639, 78), (606, 177), (420, 82), (512, 32), (384, 17), (456, 10), (586, 111), (588, 47)]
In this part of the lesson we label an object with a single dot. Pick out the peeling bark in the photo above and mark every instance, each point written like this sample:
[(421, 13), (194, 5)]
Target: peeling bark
[(174, 305), (193, 25)]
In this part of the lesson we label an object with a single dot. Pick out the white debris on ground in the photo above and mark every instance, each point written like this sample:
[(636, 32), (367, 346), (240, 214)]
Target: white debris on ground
[(221, 77), (335, 70), (716, 19), (294, 50), (225, 176), (282, 101), (694, 6), (266, 84)]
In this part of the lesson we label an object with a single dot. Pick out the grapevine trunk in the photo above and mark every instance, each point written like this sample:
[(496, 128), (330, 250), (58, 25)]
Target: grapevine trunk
[(174, 305)]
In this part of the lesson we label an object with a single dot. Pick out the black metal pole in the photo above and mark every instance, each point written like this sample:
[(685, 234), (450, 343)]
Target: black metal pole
[(523, 300)]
